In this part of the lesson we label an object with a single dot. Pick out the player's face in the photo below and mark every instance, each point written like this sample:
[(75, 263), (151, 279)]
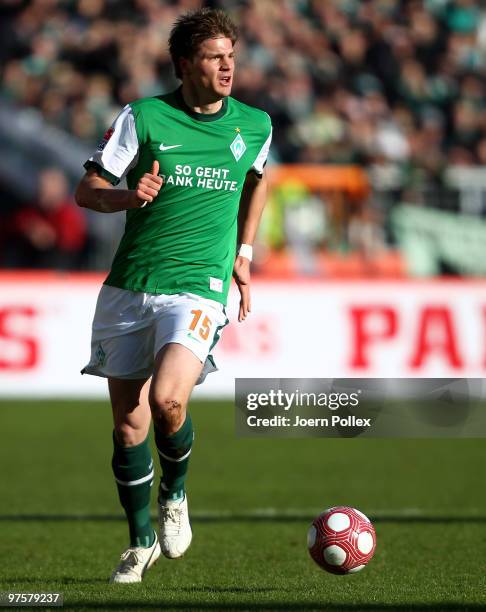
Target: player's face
[(211, 70)]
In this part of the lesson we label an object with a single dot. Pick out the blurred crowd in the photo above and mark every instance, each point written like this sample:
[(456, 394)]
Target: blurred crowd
[(398, 84), (344, 80), (50, 232)]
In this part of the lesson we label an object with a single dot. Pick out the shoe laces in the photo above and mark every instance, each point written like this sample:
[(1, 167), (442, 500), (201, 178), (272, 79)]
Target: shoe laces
[(129, 560), (172, 520)]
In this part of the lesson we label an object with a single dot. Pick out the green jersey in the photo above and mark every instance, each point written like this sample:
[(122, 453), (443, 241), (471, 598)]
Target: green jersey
[(185, 240)]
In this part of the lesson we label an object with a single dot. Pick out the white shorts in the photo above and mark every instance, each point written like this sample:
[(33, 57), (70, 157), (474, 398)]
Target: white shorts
[(130, 328)]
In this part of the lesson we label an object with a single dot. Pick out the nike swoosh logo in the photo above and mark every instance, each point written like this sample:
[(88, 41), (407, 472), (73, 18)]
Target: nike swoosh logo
[(164, 147)]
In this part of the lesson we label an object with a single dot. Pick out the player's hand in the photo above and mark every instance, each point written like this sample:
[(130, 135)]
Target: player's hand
[(148, 186), (241, 274)]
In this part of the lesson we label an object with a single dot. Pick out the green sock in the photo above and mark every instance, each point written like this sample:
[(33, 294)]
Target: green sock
[(134, 473), (174, 452)]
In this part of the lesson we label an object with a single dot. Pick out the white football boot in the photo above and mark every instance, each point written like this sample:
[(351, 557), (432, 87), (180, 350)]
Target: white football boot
[(134, 562), (174, 529)]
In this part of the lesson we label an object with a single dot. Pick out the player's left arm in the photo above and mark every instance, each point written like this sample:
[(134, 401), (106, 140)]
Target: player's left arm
[(252, 203)]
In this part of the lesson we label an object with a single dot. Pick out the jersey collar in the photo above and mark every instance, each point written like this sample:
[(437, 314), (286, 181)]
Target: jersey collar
[(201, 116)]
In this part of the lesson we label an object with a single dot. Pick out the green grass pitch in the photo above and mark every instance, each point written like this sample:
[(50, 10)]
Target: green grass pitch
[(251, 502)]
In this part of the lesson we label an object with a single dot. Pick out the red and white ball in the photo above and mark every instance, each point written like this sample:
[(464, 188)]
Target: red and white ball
[(341, 540)]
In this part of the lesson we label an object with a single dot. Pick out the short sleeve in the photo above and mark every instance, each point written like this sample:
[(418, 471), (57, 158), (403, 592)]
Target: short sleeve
[(261, 158), (117, 152)]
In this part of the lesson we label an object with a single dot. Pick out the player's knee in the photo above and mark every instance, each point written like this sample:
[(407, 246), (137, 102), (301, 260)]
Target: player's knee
[(127, 435), (168, 413)]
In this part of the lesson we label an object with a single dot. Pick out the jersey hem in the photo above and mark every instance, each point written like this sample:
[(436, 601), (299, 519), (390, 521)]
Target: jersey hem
[(157, 290)]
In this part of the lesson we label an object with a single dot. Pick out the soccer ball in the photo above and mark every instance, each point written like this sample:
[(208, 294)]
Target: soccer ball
[(341, 540)]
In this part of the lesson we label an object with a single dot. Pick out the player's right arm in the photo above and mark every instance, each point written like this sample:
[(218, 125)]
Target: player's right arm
[(116, 155), (97, 193)]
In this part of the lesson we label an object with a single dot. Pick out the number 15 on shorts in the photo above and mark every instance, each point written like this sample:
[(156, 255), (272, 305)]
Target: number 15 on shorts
[(200, 326)]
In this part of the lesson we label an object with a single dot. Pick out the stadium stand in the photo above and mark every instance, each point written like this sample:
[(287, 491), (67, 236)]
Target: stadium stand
[(396, 87)]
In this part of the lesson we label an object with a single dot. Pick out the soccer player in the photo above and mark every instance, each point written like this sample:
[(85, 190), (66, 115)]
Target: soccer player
[(194, 163)]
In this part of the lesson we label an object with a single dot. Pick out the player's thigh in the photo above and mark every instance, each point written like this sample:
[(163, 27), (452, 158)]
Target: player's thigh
[(176, 371), (131, 409), (193, 322), (186, 330)]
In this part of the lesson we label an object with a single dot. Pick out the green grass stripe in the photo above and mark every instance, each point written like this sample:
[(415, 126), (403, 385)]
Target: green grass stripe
[(411, 515)]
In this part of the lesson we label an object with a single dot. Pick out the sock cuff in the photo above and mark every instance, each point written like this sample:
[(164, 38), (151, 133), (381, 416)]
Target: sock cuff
[(132, 465)]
